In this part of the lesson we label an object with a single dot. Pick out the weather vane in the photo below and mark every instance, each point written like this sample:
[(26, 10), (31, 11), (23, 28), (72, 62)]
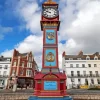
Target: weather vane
[(49, 0)]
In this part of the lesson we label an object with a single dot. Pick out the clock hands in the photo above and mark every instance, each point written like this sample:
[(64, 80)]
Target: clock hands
[(48, 11)]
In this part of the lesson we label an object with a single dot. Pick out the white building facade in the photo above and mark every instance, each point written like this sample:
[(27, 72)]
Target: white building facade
[(81, 69), (5, 64)]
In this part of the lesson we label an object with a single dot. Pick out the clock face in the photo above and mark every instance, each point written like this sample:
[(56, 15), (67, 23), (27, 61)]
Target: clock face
[(50, 12)]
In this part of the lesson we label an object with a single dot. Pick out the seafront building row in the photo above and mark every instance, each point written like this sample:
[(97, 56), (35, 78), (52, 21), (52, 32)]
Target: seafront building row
[(81, 69)]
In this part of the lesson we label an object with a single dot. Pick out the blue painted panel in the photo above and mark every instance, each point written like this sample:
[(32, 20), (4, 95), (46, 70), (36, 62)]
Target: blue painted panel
[(53, 63), (50, 36), (50, 85)]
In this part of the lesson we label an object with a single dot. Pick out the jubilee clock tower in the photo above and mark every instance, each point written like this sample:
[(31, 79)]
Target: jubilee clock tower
[(50, 83)]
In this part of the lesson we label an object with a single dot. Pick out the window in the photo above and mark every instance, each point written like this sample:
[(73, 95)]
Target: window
[(92, 81), (6, 66), (79, 80), (72, 79), (22, 64), (21, 72), (96, 72), (13, 72), (72, 73), (30, 65), (78, 73), (70, 58), (95, 58), (90, 73), (84, 73), (14, 64), (0, 66), (28, 73), (86, 81), (8, 59), (30, 59), (89, 65), (4, 73), (71, 65), (95, 65), (98, 80), (77, 65), (83, 65), (87, 58)]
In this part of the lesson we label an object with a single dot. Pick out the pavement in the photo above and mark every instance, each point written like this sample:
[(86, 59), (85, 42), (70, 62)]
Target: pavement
[(70, 91), (19, 91)]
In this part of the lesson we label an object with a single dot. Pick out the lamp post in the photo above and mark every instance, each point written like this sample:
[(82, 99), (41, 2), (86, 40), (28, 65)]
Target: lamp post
[(15, 84)]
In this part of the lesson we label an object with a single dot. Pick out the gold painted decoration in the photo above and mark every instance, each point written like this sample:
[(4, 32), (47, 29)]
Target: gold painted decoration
[(50, 35), (50, 77), (50, 57), (50, 24), (50, 2)]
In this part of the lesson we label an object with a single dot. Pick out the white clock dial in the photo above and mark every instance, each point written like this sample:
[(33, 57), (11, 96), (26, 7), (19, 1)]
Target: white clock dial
[(50, 12)]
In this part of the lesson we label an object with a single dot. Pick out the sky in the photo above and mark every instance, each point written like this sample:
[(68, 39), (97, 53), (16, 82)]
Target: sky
[(20, 27)]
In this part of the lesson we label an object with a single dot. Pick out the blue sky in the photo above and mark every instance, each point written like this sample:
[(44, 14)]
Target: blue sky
[(20, 27), (9, 19)]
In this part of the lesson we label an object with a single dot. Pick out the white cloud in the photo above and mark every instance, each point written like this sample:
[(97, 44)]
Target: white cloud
[(4, 30), (85, 29), (7, 53), (32, 42), (29, 11)]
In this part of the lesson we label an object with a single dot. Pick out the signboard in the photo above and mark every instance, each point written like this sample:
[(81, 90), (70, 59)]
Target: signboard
[(84, 86), (50, 85)]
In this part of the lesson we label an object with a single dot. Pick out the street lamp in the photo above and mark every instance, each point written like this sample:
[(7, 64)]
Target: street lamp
[(15, 84)]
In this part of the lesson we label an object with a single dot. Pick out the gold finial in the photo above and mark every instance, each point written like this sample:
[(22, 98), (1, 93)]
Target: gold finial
[(50, 2)]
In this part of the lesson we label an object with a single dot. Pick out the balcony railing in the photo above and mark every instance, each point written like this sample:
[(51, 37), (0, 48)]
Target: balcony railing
[(87, 75), (2, 76)]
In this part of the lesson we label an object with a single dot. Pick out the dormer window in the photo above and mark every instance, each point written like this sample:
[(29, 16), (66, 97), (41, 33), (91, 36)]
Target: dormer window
[(78, 58), (8, 59), (95, 58), (87, 58), (70, 58)]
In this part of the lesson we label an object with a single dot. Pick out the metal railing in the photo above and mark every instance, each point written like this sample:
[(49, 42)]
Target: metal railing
[(87, 75), (2, 76)]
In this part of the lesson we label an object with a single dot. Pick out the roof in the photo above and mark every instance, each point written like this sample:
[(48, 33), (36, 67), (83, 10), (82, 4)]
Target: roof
[(23, 54), (2, 58), (16, 53), (82, 56)]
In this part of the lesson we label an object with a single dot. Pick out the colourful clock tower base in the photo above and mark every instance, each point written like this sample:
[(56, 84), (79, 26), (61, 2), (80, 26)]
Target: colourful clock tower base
[(50, 83)]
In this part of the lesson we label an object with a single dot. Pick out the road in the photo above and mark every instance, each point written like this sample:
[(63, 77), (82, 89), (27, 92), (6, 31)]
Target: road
[(82, 91)]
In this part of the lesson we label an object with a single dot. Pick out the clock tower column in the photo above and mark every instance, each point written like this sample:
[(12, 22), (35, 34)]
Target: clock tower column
[(50, 25)]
